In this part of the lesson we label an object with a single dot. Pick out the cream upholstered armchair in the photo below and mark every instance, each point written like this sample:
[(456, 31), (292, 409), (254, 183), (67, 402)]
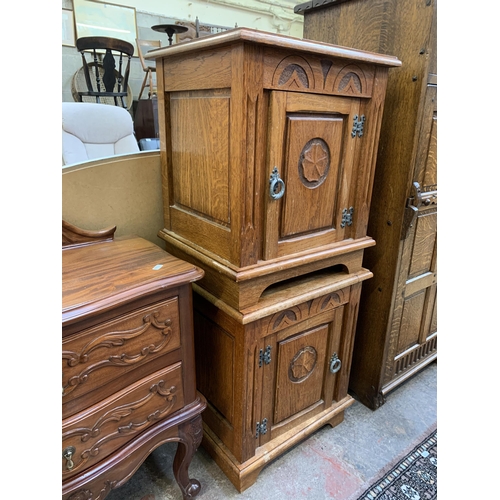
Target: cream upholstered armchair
[(91, 131)]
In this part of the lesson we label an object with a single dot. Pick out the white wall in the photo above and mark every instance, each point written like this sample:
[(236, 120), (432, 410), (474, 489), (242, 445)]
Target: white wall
[(266, 15)]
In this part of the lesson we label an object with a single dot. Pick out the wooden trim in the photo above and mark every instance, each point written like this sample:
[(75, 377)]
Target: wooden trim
[(270, 39)]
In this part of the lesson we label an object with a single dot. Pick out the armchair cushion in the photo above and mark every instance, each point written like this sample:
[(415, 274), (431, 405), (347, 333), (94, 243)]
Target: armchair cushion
[(91, 131)]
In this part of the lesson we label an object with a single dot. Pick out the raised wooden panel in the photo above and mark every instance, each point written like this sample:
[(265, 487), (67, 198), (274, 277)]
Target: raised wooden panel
[(426, 150), (430, 178), (209, 69), (423, 244), (411, 321), (433, 327), (215, 365), (200, 153), (301, 363), (312, 163)]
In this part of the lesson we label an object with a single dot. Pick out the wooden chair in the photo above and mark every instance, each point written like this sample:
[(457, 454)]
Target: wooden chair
[(144, 46), (109, 80)]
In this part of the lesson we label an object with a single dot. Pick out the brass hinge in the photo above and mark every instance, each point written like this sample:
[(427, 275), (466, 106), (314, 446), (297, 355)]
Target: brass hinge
[(261, 428), (347, 217), (357, 126), (265, 356)]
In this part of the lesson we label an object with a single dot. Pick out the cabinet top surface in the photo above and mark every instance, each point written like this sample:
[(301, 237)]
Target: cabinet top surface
[(273, 40), (96, 276)]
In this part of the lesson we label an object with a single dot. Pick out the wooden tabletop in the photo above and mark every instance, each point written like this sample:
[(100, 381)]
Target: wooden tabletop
[(94, 277), (277, 41)]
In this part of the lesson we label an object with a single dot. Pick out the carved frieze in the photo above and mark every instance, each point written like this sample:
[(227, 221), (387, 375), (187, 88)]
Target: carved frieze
[(301, 312), (314, 74)]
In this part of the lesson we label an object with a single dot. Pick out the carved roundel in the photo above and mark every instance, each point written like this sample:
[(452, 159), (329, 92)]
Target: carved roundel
[(303, 364), (314, 163)]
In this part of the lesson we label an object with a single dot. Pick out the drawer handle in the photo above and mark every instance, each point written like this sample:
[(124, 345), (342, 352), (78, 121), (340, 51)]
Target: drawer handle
[(335, 363), (68, 455), (276, 182)]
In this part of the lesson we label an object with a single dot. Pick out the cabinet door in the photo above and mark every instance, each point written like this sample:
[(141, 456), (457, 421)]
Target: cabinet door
[(307, 362), (312, 145), (413, 337)]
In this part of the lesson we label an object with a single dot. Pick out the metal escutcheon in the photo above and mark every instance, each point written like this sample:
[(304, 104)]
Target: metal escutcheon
[(276, 185), (335, 363)]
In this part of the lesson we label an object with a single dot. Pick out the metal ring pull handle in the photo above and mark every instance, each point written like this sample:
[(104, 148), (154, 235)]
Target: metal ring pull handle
[(335, 363), (276, 185), (68, 455)]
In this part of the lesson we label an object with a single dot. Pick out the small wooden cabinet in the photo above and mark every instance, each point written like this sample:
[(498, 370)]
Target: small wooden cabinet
[(274, 375), (128, 381), (397, 327), (268, 148)]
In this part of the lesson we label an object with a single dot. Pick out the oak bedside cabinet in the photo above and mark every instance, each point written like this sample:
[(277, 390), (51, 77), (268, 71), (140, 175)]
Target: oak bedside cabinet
[(396, 335), (127, 361), (268, 148)]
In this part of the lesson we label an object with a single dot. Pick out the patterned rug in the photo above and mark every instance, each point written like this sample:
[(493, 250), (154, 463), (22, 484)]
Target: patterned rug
[(412, 478)]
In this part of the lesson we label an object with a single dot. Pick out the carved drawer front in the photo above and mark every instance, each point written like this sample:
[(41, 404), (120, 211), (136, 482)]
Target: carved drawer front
[(104, 353), (91, 435)]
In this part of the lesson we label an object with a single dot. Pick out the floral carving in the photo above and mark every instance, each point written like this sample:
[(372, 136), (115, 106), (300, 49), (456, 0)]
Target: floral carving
[(303, 364), (314, 163), (116, 339), (118, 414)]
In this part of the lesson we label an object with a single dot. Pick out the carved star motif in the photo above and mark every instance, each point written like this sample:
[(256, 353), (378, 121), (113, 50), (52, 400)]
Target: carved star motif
[(303, 363), (315, 162)]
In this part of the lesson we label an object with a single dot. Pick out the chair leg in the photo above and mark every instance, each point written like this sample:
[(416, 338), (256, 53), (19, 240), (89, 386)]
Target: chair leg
[(143, 85), (150, 94)]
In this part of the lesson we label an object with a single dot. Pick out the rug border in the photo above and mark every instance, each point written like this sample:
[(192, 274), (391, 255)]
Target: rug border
[(382, 472)]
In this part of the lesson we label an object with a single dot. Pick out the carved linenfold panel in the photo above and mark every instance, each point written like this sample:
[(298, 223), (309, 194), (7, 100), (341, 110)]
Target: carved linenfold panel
[(303, 364), (314, 163), (294, 73), (415, 356), (118, 346), (93, 434)]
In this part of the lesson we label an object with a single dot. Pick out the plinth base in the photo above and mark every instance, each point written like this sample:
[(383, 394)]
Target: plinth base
[(244, 475)]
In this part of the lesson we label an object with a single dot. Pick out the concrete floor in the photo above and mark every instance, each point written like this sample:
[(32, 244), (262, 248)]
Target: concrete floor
[(333, 463)]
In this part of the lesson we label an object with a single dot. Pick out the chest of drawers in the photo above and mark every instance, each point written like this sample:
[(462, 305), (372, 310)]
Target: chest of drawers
[(128, 382)]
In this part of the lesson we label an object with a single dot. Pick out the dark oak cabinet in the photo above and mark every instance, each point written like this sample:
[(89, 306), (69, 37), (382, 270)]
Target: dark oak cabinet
[(397, 326)]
